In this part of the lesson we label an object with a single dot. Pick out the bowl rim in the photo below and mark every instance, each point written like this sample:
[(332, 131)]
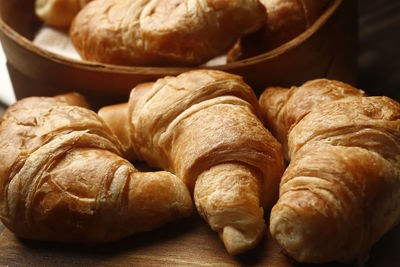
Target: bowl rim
[(154, 70)]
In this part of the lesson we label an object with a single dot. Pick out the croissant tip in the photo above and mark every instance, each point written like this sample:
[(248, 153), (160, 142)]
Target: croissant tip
[(237, 241)]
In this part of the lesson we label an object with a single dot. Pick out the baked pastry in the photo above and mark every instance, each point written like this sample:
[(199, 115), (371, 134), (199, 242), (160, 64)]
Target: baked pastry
[(58, 13), (204, 126), (341, 190), (282, 107), (162, 32), (286, 19), (62, 177)]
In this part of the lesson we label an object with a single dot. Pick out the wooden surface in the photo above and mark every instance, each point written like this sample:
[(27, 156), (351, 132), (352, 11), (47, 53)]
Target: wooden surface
[(190, 241)]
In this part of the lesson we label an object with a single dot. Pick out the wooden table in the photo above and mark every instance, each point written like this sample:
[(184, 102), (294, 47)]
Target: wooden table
[(190, 241)]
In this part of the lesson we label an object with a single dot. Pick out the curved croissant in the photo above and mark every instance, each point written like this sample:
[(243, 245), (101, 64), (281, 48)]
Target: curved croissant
[(162, 32), (341, 190), (286, 19), (58, 13), (62, 179), (203, 126)]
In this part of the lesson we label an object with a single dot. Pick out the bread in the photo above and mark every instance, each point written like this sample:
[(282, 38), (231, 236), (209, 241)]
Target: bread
[(341, 190), (58, 13), (161, 32), (286, 19), (282, 108), (204, 126), (62, 177)]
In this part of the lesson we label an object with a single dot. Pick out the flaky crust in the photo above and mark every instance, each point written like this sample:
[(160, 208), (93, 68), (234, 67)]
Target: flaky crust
[(203, 126), (62, 177), (58, 13), (283, 108), (162, 32), (340, 192), (286, 19)]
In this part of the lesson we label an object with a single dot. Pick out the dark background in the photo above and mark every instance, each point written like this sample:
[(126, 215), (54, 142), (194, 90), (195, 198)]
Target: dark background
[(379, 47)]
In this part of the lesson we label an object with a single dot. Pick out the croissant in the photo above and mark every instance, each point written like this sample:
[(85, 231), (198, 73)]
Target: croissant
[(62, 178), (341, 190), (162, 32), (204, 126), (58, 13), (286, 19)]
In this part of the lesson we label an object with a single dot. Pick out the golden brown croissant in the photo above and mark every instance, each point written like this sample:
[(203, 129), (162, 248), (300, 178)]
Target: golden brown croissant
[(62, 179), (58, 13), (286, 19), (203, 126), (162, 32), (341, 190)]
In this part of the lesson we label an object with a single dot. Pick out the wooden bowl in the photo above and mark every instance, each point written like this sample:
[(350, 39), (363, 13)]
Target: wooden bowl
[(327, 49)]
